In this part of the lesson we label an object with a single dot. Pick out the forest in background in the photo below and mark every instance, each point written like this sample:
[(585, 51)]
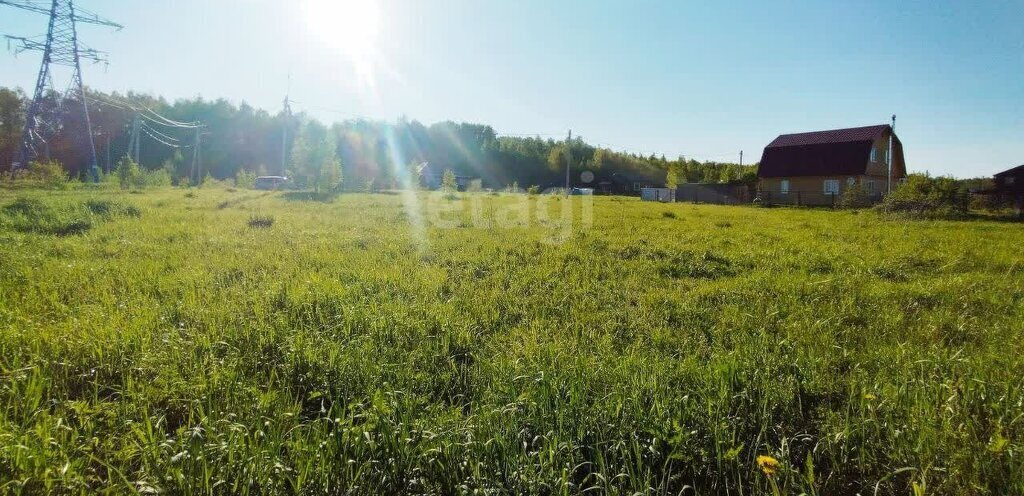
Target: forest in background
[(244, 138)]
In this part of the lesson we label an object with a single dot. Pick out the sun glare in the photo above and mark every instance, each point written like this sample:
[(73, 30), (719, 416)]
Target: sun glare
[(350, 27)]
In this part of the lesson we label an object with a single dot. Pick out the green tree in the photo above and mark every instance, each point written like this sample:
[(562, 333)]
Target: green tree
[(128, 173), (12, 118), (448, 181), (326, 167), (556, 158), (245, 178), (672, 176), (300, 157)]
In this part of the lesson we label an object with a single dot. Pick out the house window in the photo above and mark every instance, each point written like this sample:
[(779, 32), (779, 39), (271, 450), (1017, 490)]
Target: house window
[(851, 181), (784, 186), (831, 186), (869, 186), (636, 186), (1009, 181), (874, 155)]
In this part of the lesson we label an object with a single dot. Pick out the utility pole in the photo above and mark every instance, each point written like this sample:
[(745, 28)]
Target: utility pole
[(60, 47), (135, 138), (892, 135), (284, 135), (568, 160), (741, 160), (107, 163), (197, 165)]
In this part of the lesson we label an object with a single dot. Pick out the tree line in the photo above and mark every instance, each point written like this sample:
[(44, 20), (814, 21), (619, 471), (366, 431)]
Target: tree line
[(247, 140)]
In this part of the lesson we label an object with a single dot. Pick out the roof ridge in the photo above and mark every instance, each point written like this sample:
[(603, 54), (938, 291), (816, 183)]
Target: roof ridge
[(841, 135), (838, 129)]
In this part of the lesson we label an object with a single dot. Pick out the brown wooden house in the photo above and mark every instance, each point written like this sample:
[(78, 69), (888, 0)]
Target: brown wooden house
[(815, 168), (1009, 185)]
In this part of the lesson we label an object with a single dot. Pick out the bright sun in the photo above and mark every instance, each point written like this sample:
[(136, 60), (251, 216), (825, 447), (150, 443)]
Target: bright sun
[(351, 27)]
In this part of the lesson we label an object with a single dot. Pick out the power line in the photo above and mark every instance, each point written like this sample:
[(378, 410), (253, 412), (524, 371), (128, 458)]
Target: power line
[(75, 15), (162, 123), (169, 122), (164, 136), (527, 135), (147, 132), (105, 103), (644, 153), (154, 117)]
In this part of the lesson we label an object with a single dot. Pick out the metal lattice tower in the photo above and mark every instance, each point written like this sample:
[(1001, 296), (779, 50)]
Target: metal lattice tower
[(61, 47)]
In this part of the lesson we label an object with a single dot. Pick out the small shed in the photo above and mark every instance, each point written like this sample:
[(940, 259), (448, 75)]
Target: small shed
[(658, 194)]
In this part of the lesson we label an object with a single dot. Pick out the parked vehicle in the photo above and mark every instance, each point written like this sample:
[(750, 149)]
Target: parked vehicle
[(271, 182)]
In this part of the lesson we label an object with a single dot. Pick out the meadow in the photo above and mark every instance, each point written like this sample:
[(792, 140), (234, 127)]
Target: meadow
[(222, 341)]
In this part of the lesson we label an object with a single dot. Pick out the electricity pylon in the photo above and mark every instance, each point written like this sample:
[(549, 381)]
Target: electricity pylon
[(61, 47)]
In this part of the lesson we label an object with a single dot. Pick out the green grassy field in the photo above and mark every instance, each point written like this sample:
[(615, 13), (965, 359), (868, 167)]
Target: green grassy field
[(232, 342)]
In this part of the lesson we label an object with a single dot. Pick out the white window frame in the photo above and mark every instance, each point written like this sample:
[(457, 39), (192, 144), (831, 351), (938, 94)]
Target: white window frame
[(784, 186), (869, 185), (874, 154), (831, 186)]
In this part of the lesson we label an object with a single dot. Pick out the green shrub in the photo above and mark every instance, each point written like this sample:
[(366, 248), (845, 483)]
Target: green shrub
[(855, 196), (48, 174), (156, 178), (109, 208), (245, 179), (261, 221), (533, 190), (448, 181), (923, 196), (33, 215), (128, 173)]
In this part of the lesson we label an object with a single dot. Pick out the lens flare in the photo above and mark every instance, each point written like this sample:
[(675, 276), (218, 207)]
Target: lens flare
[(410, 201), (351, 28)]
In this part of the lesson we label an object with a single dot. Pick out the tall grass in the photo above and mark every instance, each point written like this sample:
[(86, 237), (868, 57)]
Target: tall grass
[(183, 351)]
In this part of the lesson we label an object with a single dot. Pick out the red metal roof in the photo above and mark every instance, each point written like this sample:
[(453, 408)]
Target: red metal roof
[(823, 153), (866, 133), (1016, 171)]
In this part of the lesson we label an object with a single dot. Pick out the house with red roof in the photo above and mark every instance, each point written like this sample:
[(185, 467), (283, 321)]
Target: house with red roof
[(815, 168)]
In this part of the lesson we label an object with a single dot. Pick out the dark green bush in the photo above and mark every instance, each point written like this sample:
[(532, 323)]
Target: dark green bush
[(855, 196), (923, 196), (32, 215)]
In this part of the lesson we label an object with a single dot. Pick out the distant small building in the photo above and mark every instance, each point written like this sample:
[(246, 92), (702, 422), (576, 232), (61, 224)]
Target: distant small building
[(658, 194), (431, 177), (735, 193), (1009, 185), (632, 182), (815, 168)]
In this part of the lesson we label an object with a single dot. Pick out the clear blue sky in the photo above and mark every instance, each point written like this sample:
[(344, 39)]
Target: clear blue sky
[(701, 79)]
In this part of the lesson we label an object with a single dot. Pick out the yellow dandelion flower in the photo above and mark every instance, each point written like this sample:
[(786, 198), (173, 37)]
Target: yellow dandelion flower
[(768, 464), (870, 397)]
